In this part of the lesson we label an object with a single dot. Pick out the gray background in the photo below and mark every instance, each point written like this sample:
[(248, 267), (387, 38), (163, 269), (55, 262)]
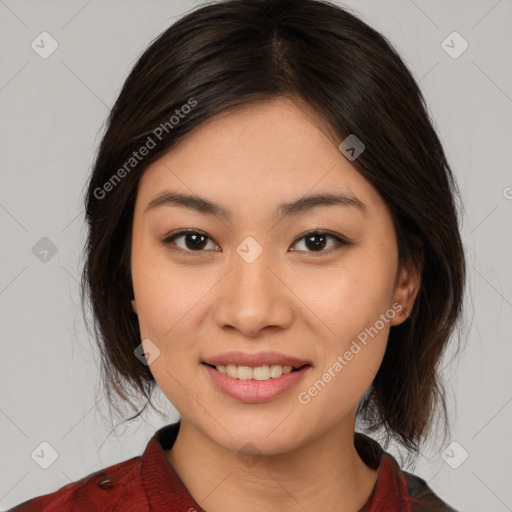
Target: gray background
[(52, 111)]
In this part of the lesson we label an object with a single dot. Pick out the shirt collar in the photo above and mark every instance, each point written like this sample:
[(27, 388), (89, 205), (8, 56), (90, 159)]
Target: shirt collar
[(165, 490), (390, 491)]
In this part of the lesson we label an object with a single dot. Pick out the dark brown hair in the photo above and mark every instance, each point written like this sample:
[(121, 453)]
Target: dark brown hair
[(237, 52)]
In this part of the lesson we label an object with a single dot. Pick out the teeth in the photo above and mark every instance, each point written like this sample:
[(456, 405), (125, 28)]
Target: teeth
[(265, 372)]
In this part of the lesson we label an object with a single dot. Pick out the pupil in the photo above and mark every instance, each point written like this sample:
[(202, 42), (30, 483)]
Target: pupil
[(195, 237), (316, 245)]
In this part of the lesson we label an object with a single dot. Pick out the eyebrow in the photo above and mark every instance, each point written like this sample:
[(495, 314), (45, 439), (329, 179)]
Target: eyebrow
[(299, 206)]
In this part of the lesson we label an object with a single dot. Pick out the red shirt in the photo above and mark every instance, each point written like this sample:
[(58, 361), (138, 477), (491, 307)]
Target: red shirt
[(148, 483)]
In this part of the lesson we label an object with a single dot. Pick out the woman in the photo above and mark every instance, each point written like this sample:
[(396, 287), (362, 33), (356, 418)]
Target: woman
[(274, 243)]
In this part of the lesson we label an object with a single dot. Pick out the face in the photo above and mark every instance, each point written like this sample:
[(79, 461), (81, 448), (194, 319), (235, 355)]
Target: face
[(310, 286)]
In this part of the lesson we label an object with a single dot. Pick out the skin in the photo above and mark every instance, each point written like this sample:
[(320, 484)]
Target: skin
[(291, 299)]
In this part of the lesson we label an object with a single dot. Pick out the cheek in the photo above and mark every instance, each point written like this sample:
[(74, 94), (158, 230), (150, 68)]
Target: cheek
[(349, 296), (168, 301), (165, 292), (171, 303), (353, 302)]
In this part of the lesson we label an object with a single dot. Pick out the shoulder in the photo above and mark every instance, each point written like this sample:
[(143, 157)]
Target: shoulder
[(422, 497), (118, 485), (396, 487)]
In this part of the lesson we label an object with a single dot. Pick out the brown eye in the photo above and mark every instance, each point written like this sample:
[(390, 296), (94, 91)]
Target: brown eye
[(196, 241), (316, 241), (193, 241)]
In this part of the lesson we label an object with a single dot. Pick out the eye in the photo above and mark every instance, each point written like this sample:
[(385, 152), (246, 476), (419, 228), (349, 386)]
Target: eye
[(196, 241), (317, 241)]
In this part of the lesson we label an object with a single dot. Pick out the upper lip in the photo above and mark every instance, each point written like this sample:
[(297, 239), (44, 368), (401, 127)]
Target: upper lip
[(255, 360)]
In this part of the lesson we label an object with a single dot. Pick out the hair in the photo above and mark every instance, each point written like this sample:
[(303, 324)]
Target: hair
[(239, 52)]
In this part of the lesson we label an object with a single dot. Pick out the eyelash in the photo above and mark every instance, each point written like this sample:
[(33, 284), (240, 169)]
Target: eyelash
[(168, 241)]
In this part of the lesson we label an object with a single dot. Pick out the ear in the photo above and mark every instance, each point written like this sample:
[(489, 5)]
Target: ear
[(134, 306), (406, 289)]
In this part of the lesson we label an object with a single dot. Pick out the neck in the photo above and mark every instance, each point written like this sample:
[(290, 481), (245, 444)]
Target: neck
[(327, 473)]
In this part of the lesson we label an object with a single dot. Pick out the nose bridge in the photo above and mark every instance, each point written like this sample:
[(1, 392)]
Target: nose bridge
[(252, 296), (251, 281), (251, 262)]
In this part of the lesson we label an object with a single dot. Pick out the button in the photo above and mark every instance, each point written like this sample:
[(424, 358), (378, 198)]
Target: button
[(106, 484)]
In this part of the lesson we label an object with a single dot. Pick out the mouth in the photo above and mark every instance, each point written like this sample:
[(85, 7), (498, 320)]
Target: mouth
[(255, 384), (258, 373)]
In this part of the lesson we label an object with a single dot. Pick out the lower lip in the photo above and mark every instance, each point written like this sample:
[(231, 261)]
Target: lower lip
[(255, 391)]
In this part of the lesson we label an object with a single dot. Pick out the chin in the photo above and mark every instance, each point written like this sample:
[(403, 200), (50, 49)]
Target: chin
[(250, 437)]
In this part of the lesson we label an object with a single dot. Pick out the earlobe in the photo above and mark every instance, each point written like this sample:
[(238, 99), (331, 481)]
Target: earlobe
[(405, 294), (134, 306)]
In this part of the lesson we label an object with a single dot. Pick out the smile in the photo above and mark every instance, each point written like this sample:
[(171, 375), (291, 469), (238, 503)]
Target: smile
[(255, 384), (264, 372)]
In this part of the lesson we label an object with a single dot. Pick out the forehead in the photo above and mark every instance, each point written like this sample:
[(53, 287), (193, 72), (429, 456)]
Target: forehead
[(260, 154)]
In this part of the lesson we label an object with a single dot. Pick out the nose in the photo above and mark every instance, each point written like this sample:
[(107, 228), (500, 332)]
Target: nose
[(254, 297)]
